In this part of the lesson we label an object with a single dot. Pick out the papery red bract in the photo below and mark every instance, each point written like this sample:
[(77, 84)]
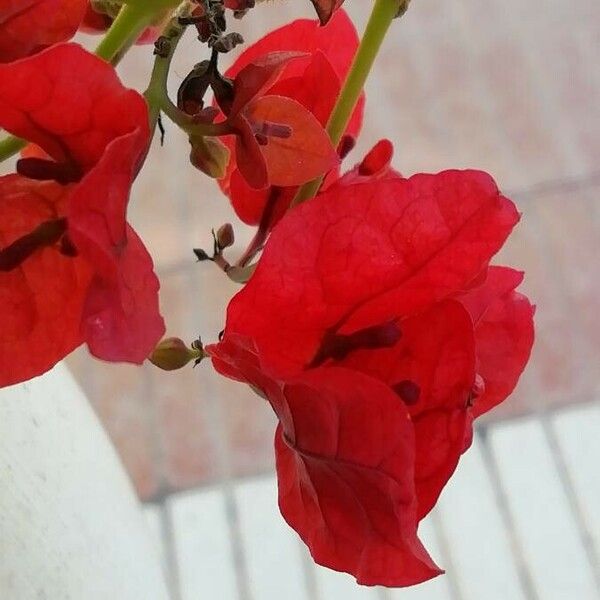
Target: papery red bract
[(436, 355), (314, 83), (373, 306), (28, 26), (350, 495), (75, 108), (503, 333), (90, 127), (42, 299), (375, 269), (120, 319), (257, 77), (302, 156)]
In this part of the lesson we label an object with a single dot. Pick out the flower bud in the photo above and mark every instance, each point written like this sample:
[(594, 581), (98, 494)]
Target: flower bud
[(225, 236), (209, 155), (172, 353)]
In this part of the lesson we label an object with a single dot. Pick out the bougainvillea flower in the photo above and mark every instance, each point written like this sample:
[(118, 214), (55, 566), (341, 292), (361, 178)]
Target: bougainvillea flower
[(314, 82), (28, 26), (71, 269), (377, 331), (277, 141)]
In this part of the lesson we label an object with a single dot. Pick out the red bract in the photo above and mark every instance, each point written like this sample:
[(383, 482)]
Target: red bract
[(28, 26), (377, 331), (314, 82), (376, 165), (70, 265)]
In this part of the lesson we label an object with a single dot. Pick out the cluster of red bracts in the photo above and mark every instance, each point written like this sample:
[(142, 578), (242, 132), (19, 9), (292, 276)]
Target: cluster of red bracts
[(373, 325)]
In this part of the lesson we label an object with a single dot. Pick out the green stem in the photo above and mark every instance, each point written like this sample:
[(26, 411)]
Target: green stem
[(157, 95), (380, 20), (9, 146), (124, 31)]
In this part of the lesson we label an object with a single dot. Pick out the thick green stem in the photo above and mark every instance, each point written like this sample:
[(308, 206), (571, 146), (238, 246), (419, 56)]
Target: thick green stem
[(381, 18), (124, 31)]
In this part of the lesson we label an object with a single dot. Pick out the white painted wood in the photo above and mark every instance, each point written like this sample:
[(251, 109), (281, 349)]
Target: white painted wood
[(154, 521), (202, 546), (578, 434), (271, 548), (70, 525), (434, 589), (481, 558), (543, 518)]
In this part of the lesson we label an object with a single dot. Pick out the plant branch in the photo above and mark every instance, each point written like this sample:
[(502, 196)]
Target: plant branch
[(157, 94), (124, 31)]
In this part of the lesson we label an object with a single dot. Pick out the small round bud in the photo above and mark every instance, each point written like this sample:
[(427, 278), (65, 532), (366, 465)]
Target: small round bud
[(209, 155), (172, 353)]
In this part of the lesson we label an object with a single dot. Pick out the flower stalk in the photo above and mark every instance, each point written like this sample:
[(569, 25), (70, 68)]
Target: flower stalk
[(124, 31), (382, 15), (157, 94)]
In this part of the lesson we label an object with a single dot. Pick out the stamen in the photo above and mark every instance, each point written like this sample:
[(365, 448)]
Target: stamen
[(267, 129), (45, 234)]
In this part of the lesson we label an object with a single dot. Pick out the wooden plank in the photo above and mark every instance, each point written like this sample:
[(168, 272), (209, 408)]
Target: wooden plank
[(271, 548), (545, 524), (434, 589), (202, 545), (481, 558), (332, 585), (578, 435)]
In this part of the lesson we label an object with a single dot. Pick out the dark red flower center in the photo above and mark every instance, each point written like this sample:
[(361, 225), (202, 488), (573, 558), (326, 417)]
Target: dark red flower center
[(42, 169), (408, 391), (337, 346)]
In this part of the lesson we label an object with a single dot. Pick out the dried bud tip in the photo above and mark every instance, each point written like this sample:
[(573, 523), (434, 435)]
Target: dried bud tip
[(225, 236), (402, 7), (201, 255), (172, 354)]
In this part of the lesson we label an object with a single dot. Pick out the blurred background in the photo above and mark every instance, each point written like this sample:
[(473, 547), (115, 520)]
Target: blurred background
[(506, 86)]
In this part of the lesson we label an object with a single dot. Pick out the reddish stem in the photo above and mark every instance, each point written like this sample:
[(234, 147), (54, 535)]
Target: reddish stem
[(264, 227)]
